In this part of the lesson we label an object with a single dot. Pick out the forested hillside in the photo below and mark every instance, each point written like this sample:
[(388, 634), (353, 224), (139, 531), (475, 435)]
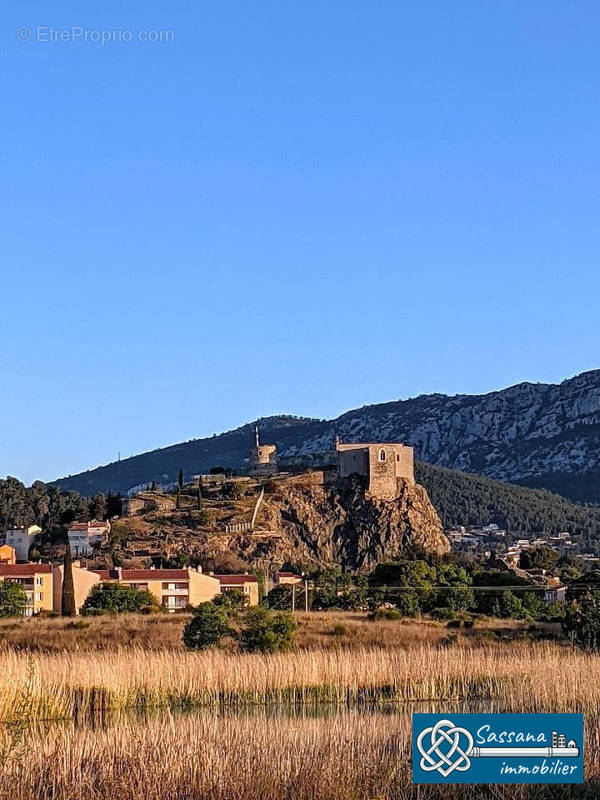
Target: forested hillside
[(465, 499), (46, 506)]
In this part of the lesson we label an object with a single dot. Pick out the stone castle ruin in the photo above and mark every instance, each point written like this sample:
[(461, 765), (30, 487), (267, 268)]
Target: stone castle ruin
[(384, 464), (263, 458)]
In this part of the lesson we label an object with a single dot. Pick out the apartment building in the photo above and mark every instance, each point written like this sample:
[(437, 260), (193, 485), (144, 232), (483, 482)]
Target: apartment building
[(174, 589), (248, 584), (84, 536), (36, 579), (22, 539)]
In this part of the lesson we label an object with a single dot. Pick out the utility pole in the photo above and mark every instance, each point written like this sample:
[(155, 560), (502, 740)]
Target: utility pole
[(306, 594), (293, 597)]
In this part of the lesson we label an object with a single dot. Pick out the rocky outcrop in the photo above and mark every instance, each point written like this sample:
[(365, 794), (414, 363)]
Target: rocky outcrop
[(304, 523)]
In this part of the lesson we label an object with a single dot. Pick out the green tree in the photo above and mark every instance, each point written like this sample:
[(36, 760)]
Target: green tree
[(267, 632), (116, 598), (98, 506), (208, 626), (68, 604), (233, 601), (13, 599), (582, 621), (407, 603), (539, 558), (180, 479)]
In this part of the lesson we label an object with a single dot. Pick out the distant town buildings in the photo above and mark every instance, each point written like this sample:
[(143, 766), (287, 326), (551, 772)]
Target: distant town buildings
[(383, 464)]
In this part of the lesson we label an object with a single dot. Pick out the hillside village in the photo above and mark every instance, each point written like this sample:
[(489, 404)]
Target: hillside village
[(190, 541), (223, 520)]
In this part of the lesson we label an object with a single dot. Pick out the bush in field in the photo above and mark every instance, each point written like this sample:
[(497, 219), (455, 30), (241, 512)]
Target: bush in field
[(255, 629), (582, 621), (207, 627), (114, 598), (12, 599), (267, 632)]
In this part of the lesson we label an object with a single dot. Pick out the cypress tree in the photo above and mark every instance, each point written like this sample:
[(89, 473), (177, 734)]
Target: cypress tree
[(69, 607), (180, 479), (178, 501), (199, 495)]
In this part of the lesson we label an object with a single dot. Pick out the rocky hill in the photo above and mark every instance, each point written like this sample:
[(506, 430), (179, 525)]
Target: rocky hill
[(299, 521), (539, 435)]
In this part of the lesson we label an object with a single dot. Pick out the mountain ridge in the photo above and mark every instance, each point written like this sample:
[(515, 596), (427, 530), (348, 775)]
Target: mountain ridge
[(542, 435)]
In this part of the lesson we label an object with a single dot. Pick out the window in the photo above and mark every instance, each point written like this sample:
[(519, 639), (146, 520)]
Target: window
[(382, 454), (397, 456)]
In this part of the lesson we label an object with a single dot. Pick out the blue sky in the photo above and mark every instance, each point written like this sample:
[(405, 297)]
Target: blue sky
[(296, 207)]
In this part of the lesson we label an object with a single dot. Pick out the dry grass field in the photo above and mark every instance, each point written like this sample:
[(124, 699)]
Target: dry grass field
[(330, 721), (347, 756), (163, 631)]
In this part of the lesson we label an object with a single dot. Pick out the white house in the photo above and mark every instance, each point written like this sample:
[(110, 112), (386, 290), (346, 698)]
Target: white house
[(22, 539), (84, 536)]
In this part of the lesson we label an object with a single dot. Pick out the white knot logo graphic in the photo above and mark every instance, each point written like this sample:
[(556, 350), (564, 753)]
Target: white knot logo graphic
[(445, 753)]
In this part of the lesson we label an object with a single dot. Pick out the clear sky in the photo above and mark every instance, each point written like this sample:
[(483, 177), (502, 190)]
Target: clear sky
[(291, 207)]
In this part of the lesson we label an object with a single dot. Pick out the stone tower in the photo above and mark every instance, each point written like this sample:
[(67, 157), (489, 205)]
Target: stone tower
[(263, 457)]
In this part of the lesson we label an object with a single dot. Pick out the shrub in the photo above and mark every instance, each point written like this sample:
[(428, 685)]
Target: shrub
[(12, 599), (582, 621), (115, 598), (267, 632), (207, 627), (442, 613), (387, 613), (340, 630), (232, 490)]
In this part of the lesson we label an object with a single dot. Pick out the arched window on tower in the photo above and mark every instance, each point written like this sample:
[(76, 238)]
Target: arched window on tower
[(382, 454)]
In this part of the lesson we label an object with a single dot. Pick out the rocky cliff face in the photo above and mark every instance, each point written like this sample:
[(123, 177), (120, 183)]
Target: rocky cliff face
[(306, 523)]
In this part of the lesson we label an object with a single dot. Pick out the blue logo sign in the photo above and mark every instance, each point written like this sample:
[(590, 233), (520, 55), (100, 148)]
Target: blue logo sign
[(497, 748)]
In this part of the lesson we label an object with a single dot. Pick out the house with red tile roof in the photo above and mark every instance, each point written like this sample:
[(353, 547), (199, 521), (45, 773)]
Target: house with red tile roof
[(36, 580), (287, 578), (174, 589), (85, 536)]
